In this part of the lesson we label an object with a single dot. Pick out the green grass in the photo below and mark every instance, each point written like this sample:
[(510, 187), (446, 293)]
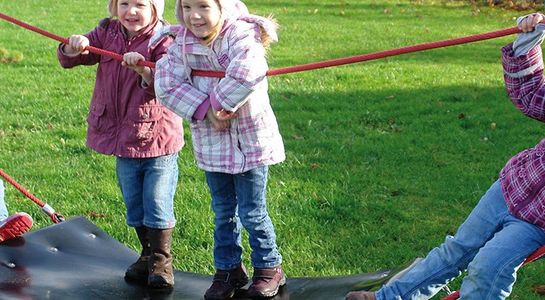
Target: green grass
[(384, 158)]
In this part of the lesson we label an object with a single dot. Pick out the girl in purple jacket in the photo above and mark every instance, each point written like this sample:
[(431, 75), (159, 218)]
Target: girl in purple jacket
[(126, 120), (508, 223), (234, 131)]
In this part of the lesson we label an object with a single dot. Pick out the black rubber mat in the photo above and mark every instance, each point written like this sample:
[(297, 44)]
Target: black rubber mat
[(77, 260)]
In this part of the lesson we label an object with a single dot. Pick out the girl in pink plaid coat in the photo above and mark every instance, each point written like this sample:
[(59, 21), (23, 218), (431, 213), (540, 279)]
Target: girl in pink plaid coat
[(234, 131)]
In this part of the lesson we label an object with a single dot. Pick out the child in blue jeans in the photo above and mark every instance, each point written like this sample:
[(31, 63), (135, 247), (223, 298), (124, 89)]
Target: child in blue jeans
[(508, 223), (234, 131), (127, 121), (14, 225)]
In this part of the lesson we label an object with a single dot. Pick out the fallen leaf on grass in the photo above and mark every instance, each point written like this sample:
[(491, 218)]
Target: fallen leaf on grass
[(96, 215), (539, 289)]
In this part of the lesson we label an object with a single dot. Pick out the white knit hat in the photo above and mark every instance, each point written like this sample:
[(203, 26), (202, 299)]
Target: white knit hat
[(229, 9), (158, 4), (159, 7)]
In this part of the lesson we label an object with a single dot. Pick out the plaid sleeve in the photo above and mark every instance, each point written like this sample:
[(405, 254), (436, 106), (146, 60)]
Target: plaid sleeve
[(247, 67), (524, 81), (157, 51), (173, 88)]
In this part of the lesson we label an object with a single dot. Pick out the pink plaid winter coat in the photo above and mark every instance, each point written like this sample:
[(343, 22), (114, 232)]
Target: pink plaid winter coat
[(253, 138)]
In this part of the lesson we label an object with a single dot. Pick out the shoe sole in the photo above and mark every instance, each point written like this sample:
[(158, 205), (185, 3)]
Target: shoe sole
[(272, 293), (237, 287), (15, 226), (141, 279)]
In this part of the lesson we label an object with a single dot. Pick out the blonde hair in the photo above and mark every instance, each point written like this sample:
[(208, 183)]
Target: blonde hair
[(266, 39), (157, 12)]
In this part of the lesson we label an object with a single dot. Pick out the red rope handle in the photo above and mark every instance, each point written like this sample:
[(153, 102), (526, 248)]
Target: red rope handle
[(303, 67), (48, 210), (65, 41), (380, 54), (21, 189)]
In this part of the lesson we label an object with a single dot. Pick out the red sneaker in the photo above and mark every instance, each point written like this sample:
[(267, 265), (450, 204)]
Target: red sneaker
[(15, 225)]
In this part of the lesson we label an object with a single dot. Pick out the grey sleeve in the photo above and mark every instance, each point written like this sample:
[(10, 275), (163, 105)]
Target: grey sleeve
[(527, 40)]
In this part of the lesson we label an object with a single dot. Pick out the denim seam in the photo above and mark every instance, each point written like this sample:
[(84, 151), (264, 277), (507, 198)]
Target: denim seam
[(500, 272), (432, 276)]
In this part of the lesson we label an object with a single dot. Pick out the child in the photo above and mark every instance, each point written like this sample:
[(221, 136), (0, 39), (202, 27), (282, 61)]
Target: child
[(14, 225), (127, 121), (234, 131), (508, 223)]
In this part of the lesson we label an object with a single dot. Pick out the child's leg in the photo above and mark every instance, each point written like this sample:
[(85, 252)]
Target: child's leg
[(148, 186), (251, 188), (268, 276), (227, 229), (130, 178), (453, 256), (12, 226), (138, 271), (3, 209), (159, 186), (492, 272)]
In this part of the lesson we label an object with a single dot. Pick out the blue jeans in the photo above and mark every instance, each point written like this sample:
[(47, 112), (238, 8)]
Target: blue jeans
[(240, 200), (491, 244), (148, 186), (3, 209)]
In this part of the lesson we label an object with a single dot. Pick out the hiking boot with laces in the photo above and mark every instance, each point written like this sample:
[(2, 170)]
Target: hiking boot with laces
[(15, 225), (226, 282), (266, 282)]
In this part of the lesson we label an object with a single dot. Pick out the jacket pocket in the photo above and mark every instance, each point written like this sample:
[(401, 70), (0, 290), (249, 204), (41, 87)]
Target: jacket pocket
[(97, 117), (209, 144), (204, 135), (144, 122), (256, 134)]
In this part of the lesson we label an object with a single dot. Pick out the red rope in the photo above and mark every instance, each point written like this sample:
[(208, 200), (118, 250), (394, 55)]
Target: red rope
[(303, 67), (65, 41), (381, 54), (55, 217), (21, 189)]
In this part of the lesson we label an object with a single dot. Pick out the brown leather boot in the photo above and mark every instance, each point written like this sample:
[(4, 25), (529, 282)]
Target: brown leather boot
[(138, 271), (161, 274), (361, 295), (226, 282), (266, 282)]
